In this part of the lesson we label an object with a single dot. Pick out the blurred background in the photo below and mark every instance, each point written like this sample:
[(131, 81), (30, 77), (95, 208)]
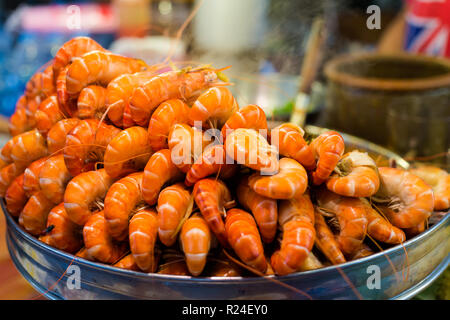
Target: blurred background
[(269, 44)]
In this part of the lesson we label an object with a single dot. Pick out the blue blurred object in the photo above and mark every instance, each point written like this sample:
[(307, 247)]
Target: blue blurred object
[(23, 52)]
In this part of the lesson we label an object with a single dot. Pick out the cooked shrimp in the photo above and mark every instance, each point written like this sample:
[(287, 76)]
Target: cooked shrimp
[(31, 177), (186, 145), (143, 233), (159, 171), (41, 84), (212, 198), (356, 176), (98, 67), (213, 107), (32, 106), (363, 251), (56, 136), (381, 229), (86, 145), (24, 148), (53, 178), (48, 114), (170, 85), (249, 148), (67, 104), (296, 218), (328, 149), (91, 102), (439, 181), (288, 139), (176, 268), (351, 217), (121, 201), (63, 234), (98, 241), (83, 193), (244, 238), (15, 196), (325, 240), (72, 49), (173, 203), (127, 263), (264, 209), (7, 176), (119, 91), (212, 161), (249, 117), (127, 152), (288, 183), (195, 239), (167, 114), (410, 199), (34, 215), (18, 122), (224, 269), (413, 231)]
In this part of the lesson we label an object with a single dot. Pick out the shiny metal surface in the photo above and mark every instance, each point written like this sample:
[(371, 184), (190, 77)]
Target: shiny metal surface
[(401, 275)]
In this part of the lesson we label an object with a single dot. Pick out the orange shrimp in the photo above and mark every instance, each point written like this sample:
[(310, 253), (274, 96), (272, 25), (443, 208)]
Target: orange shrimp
[(32, 106), (24, 148), (15, 196), (249, 148), (68, 105), (356, 176), (410, 199), (195, 239), (249, 117), (173, 204), (413, 231), (143, 233), (63, 233), (41, 84), (244, 238), (48, 114), (328, 148), (288, 139), (121, 201), (7, 176), (213, 160), (351, 216), (91, 102), (118, 93), (176, 268), (381, 229), (31, 177), (167, 114), (127, 263), (56, 136), (83, 193), (170, 85), (224, 269), (159, 171), (83, 253), (265, 210), (98, 242), (34, 215), (127, 152), (53, 178), (296, 218), (18, 122), (186, 145), (212, 198), (76, 47), (288, 183), (439, 180), (325, 240), (213, 107), (86, 145), (363, 251), (98, 67)]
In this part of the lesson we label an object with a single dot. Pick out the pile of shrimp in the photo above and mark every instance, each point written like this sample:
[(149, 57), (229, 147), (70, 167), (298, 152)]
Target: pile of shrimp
[(161, 171)]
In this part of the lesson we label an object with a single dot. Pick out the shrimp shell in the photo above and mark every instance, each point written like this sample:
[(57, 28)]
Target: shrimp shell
[(18, 122), (244, 238), (24, 148), (7, 176), (83, 191), (439, 180), (249, 117), (48, 114), (91, 102), (127, 152), (56, 136), (53, 178), (127, 263), (31, 177), (16, 197), (34, 215)]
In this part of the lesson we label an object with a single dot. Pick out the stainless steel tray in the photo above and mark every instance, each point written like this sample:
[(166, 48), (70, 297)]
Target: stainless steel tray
[(427, 257)]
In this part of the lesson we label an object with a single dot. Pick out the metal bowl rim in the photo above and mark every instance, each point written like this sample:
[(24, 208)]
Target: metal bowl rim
[(136, 274)]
